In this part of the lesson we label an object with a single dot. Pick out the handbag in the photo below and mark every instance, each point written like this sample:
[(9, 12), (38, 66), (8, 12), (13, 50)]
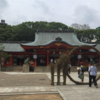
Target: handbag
[(81, 76)]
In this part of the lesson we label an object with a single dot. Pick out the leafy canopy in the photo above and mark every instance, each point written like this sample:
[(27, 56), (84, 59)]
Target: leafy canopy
[(26, 31)]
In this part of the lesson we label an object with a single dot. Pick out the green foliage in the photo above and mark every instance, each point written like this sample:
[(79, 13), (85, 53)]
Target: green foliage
[(98, 34), (3, 54), (70, 28), (22, 32), (5, 32), (86, 35), (26, 31), (98, 27)]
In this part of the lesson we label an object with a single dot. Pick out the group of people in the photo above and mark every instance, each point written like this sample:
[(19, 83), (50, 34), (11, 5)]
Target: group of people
[(92, 71)]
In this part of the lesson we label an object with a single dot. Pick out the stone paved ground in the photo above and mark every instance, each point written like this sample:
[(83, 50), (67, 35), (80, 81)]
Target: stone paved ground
[(24, 80), (27, 86), (70, 91)]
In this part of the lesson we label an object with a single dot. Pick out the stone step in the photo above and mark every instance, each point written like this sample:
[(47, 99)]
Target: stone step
[(42, 69), (20, 69), (36, 69), (12, 68)]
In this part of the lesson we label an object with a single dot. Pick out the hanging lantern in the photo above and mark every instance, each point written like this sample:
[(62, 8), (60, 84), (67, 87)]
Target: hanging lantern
[(35, 56), (79, 56)]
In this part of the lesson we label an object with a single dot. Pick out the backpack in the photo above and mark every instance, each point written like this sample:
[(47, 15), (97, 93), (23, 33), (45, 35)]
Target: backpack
[(82, 69), (81, 76)]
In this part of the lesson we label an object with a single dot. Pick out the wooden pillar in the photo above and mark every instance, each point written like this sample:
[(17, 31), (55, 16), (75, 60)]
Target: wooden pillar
[(11, 60), (83, 59), (77, 61), (99, 60), (35, 62), (47, 58), (2, 61)]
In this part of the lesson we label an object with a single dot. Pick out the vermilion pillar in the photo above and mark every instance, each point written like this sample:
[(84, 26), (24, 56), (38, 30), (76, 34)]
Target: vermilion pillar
[(11, 60), (83, 59), (77, 61), (35, 62), (47, 58)]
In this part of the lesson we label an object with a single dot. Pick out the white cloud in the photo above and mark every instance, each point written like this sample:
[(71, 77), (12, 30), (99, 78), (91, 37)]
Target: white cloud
[(86, 15), (3, 6), (64, 11)]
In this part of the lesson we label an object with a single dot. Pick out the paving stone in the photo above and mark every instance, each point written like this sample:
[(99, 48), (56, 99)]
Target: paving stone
[(9, 90), (15, 90), (70, 91), (43, 90), (21, 90), (4, 90)]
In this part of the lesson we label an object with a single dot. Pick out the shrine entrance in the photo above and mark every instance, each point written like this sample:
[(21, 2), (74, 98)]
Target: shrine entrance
[(53, 57), (42, 60)]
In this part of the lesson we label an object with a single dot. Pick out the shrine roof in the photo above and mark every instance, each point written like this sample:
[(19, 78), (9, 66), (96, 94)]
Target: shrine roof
[(45, 38), (97, 47), (13, 47)]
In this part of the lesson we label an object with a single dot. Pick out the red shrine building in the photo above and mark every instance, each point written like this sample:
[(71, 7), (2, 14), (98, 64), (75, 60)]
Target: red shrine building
[(47, 47)]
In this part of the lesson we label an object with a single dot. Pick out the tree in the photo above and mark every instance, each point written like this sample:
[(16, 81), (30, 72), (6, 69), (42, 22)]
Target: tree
[(5, 32), (23, 32), (86, 35), (26, 31), (3, 55), (98, 34), (70, 28)]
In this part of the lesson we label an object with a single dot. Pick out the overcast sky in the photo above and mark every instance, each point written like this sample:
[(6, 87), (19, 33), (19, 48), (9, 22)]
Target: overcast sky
[(65, 11)]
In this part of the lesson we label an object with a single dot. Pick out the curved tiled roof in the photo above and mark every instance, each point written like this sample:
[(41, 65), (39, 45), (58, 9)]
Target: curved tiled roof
[(13, 47), (97, 47), (45, 38)]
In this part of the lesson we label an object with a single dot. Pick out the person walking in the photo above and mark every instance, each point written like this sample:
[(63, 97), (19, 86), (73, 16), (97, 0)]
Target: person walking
[(92, 75), (82, 72), (89, 65), (78, 69)]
